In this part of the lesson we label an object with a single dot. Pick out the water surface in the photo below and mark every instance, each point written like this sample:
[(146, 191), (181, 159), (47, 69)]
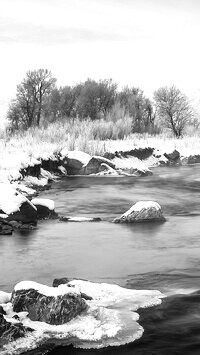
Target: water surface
[(144, 256)]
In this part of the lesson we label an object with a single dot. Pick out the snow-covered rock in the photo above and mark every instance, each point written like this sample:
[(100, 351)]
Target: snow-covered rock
[(110, 318), (45, 207), (142, 211), (74, 160), (95, 165), (132, 165), (52, 305), (16, 205)]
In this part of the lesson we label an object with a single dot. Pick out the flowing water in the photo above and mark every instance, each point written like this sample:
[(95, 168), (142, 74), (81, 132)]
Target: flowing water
[(163, 256)]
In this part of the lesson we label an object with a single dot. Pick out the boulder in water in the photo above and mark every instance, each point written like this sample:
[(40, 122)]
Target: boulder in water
[(45, 207), (52, 305), (16, 205), (173, 157), (74, 160), (94, 165), (142, 211)]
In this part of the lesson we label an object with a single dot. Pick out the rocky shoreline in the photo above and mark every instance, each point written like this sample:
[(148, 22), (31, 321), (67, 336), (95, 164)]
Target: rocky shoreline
[(20, 210)]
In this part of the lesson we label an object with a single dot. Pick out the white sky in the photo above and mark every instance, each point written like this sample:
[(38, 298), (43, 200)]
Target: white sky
[(145, 43)]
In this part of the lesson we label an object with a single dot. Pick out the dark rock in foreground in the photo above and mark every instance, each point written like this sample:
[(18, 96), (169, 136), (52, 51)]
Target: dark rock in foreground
[(49, 309), (11, 331), (142, 211)]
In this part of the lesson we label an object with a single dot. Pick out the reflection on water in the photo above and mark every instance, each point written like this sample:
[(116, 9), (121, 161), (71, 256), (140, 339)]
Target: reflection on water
[(151, 256)]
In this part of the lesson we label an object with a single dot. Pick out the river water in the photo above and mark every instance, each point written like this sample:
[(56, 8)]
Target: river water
[(162, 256)]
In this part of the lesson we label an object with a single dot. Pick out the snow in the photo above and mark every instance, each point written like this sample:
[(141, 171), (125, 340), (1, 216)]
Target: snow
[(50, 204), (110, 320), (45, 290), (130, 163), (10, 199), (34, 181), (4, 297), (140, 205)]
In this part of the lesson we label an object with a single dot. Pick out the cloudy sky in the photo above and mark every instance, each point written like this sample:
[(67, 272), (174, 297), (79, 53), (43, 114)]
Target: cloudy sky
[(145, 43)]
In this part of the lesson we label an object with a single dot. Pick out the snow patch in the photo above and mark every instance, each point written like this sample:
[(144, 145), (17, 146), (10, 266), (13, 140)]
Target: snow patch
[(84, 158), (50, 204), (10, 199), (140, 205)]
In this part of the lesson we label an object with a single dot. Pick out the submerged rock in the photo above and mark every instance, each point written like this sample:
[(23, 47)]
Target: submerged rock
[(5, 228), (47, 304), (142, 211), (79, 219)]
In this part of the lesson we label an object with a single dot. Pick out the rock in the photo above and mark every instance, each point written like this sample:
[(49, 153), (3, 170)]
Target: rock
[(45, 207), (61, 281), (193, 159), (79, 219), (16, 205), (11, 331), (173, 157), (94, 165), (2, 310), (5, 228), (54, 305), (142, 211), (74, 161)]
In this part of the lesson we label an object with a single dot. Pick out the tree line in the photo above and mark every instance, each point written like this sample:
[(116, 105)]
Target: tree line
[(39, 100)]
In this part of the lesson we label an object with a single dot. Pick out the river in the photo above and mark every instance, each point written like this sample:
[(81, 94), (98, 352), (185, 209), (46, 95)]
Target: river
[(162, 256)]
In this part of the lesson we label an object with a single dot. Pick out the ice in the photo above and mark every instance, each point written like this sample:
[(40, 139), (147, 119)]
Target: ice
[(110, 320)]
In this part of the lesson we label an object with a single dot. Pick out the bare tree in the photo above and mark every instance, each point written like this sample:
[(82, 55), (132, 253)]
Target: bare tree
[(173, 108), (26, 110)]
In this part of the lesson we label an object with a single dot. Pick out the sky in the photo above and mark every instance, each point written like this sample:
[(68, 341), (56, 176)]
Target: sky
[(141, 43)]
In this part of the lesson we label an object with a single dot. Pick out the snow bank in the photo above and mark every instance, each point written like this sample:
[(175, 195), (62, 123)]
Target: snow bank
[(110, 320), (50, 204)]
